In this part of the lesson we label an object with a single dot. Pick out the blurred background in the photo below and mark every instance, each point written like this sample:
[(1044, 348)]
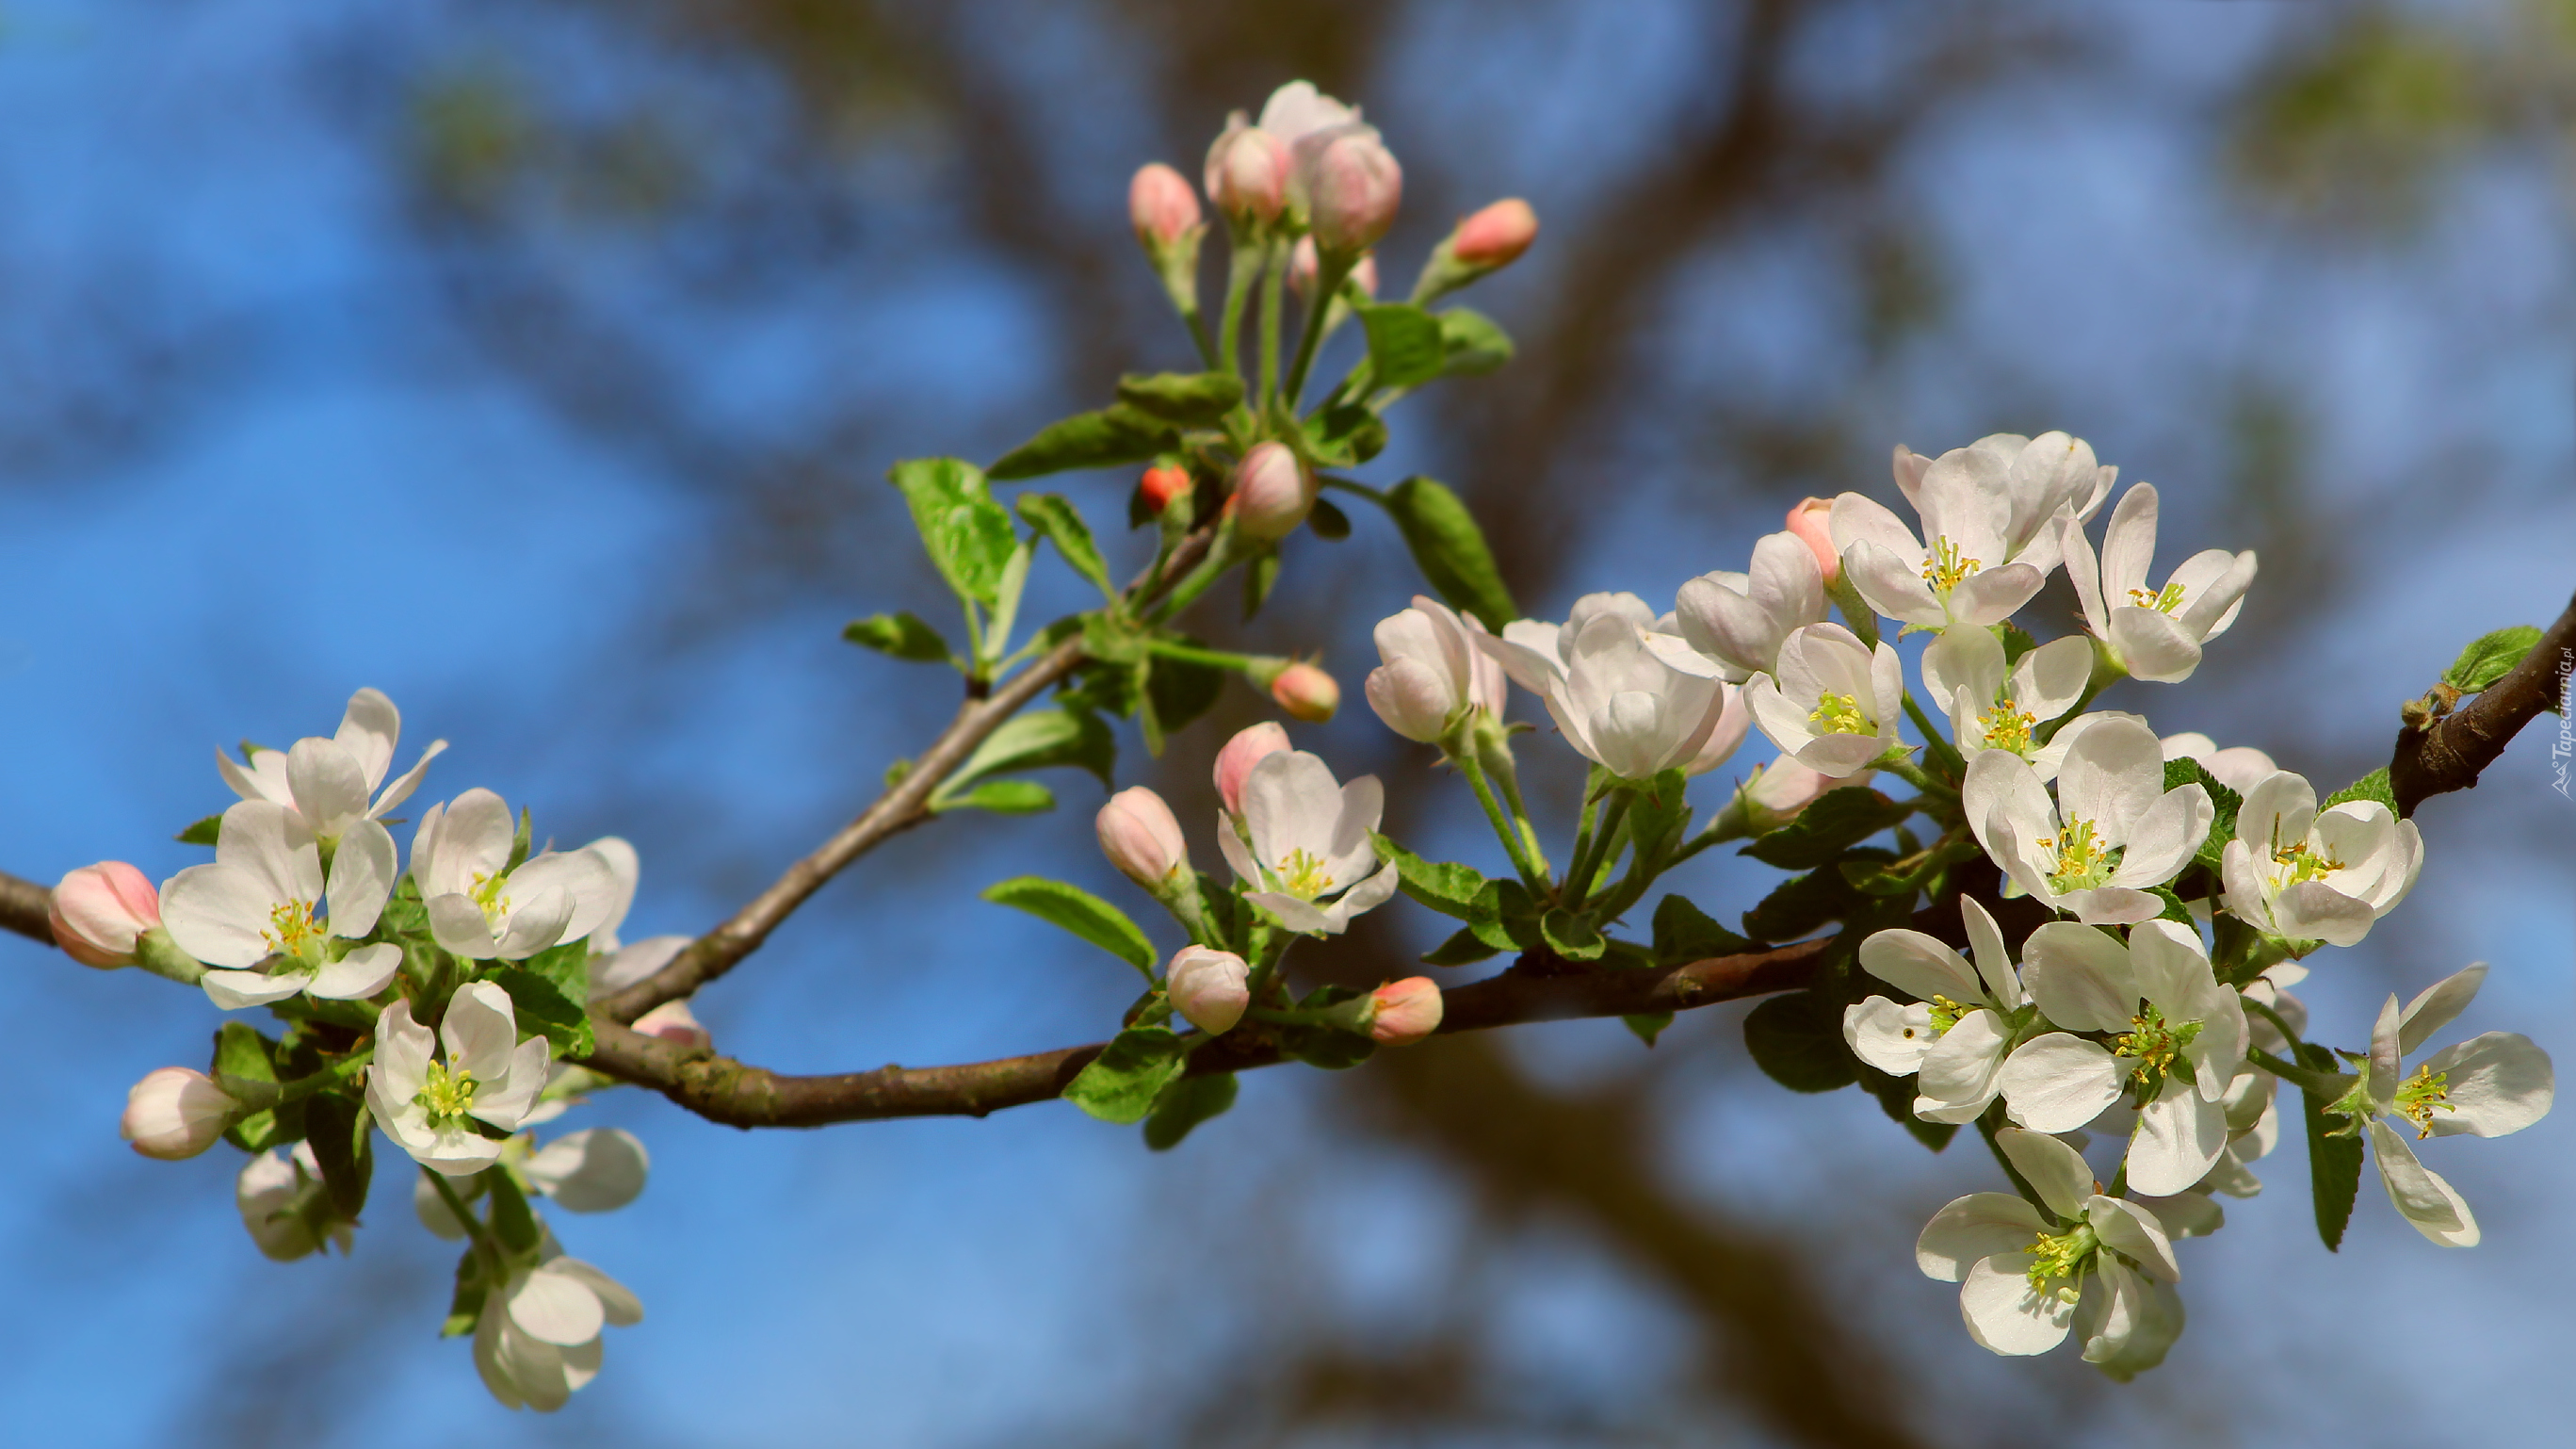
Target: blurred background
[(538, 362)]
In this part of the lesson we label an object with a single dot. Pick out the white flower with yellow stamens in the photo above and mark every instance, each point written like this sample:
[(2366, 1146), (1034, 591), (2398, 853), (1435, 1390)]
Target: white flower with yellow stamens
[(429, 1105), (1305, 847), (1989, 513), (327, 782), (2306, 875), (481, 909), (1833, 704), (2155, 633), (1992, 709), (1956, 1035), (2113, 832), (264, 915)]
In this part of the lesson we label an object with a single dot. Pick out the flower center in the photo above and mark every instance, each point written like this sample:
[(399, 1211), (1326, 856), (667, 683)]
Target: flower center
[(487, 894), (1840, 714), (2083, 861), (292, 930), (1303, 876), (2007, 727), (1947, 1014), (1943, 568), (2155, 1044), (2419, 1094), (445, 1096), (2057, 1260), (2163, 601), (2305, 863)]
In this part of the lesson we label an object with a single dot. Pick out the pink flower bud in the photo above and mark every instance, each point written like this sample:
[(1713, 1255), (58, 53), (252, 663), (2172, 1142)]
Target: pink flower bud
[(1301, 271), (1140, 837), (1162, 485), (1247, 172), (1307, 693), (99, 909), (1208, 987), (1352, 186), (174, 1113), (1273, 492), (1496, 236), (1248, 748), (1812, 520), (1786, 787), (1404, 1012), (672, 1021), (1161, 205)]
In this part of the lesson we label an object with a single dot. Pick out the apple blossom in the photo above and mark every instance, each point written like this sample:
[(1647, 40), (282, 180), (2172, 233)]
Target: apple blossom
[(98, 911), (1496, 235), (1734, 721), (2308, 876), (1780, 792), (286, 1208), (2155, 634), (1297, 110), (2099, 1265), (424, 1102), (327, 782), (1160, 206), (1349, 184), (1812, 520), (1832, 703), (1989, 710), (2113, 833), (633, 962), (2238, 767), (2043, 477), (1140, 837), (1963, 1022), (1306, 692), (1435, 673), (595, 1170), (673, 1022), (1304, 848), (1971, 570), (479, 907), (1739, 620), (1628, 696), (537, 1339), (1401, 1013), (261, 904), (2178, 1038), (1249, 747), (1247, 173), (174, 1113), (1273, 493), (1208, 987)]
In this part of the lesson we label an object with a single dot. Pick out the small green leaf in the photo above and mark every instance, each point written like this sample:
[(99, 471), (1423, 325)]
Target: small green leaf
[(1406, 344), (1570, 936), (241, 1051), (1472, 344), (1648, 1025), (2334, 1163), (1185, 399), (1184, 1105), (2224, 802), (1041, 739), (1181, 690), (465, 1306), (1450, 550), (1684, 933), (1345, 435), (2373, 786), (1797, 1040), (2174, 910), (1330, 1048), (204, 832), (544, 1007), (1837, 821), (2016, 642), (1121, 1083), (567, 966), (1103, 439), (1074, 909), (2490, 657), (967, 534), (512, 1221), (1445, 886), (336, 1126), (1260, 574), (1658, 813), (1462, 949), (1052, 515), (1001, 797), (1328, 520), (1803, 903), (901, 635)]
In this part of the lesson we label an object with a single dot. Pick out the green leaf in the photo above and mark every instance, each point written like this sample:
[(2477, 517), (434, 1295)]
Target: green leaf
[(2016, 642), (1260, 575), (1472, 344), (204, 832), (1463, 949), (1111, 687), (1001, 797), (336, 1126), (465, 1306), (1803, 903), (512, 1222), (1835, 822), (1103, 439), (1684, 933), (1184, 1105), (1658, 813), (901, 635), (1405, 344), (1330, 1048), (1227, 916), (1185, 399), (1327, 520), (544, 1007), (1074, 909), (567, 966), (1040, 739), (1121, 1083), (1797, 1040), (1450, 550), (1055, 517), (967, 534), (2373, 786), (1445, 886), (1570, 936), (2490, 657), (1181, 690), (2334, 1163), (241, 1051), (2224, 801), (1647, 1025), (2174, 910), (1345, 434)]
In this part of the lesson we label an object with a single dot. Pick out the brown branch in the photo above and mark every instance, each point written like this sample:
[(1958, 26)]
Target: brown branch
[(2450, 755), (27, 908)]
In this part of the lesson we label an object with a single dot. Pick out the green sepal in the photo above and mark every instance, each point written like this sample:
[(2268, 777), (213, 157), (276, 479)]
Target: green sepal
[(2490, 657), (1797, 1041), (1183, 399), (967, 534), (1260, 575), (1658, 814), (1037, 739), (1103, 439), (512, 1220), (902, 635), (204, 832), (241, 1051), (1647, 1025), (522, 842), (1000, 797), (2334, 1161), (1570, 936), (1684, 933), (1450, 550), (2373, 786), (1835, 822), (1472, 344), (336, 1126), (2174, 910), (1121, 1084), (1405, 344), (465, 1306), (1465, 948), (1186, 1103), (1055, 517), (1073, 909), (546, 1008)]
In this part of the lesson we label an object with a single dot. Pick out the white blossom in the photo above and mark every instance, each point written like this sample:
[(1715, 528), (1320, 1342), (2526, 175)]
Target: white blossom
[(2155, 633), (327, 782), (1434, 672), (2045, 477), (428, 1103), (1992, 709), (1308, 857), (1739, 620), (1958, 1032), (2120, 832), (594, 1170), (1988, 513), (2306, 875), (261, 904), (1834, 703), (1628, 695), (537, 1340), (2238, 767), (285, 1206), (479, 908)]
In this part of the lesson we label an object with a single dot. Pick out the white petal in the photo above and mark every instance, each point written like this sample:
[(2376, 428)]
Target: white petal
[(480, 1031), (1991, 595), (1890, 1037), (2005, 1314), (233, 990), (556, 1308), (505, 1102), (2135, 1230), (2496, 1083), (1891, 586), (617, 1304), (2179, 1137), (1994, 962), (2057, 1083), (1972, 1228), (219, 914), (2315, 911), (360, 974), (2054, 1170), (2421, 1196), (2276, 814), (362, 878), (596, 1170), (2437, 1006), (458, 925), (2152, 645), (329, 785), (2079, 978), (1919, 966), (1961, 1070)]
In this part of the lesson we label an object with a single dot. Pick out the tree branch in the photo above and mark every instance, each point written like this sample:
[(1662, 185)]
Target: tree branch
[(2450, 755)]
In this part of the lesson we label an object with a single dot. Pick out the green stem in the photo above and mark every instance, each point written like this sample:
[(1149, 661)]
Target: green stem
[(1936, 746), (1729, 825), (1213, 658), (1605, 836), (474, 1227), (1273, 949), (1243, 265), (1895, 763), (1329, 271), (1274, 285), (1348, 485), (1220, 557), (1521, 819), (1503, 827), (2324, 1085)]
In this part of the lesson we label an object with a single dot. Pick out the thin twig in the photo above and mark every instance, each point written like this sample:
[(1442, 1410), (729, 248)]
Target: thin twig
[(2450, 755)]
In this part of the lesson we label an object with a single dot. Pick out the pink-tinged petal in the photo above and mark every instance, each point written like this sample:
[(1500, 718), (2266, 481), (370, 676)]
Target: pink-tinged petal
[(2178, 1140), (2054, 1170), (2421, 1196), (1858, 518), (2494, 1084), (1990, 596), (2151, 645), (2209, 607), (2437, 1006), (1972, 1228), (2005, 1314), (2129, 545), (2058, 1083), (360, 974)]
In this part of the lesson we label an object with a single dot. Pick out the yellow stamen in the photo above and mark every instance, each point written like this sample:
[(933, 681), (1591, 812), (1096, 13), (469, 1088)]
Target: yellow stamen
[(2419, 1094), (1943, 568), (1840, 714), (291, 929), (1303, 876), (2007, 727), (2082, 861), (2163, 601), (446, 1096)]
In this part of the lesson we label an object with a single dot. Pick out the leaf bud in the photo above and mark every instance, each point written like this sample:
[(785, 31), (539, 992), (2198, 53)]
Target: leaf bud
[(1208, 987), (174, 1113), (1140, 837), (1248, 748), (99, 910)]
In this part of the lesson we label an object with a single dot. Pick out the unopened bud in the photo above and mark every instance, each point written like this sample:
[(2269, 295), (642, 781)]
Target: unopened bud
[(174, 1113), (1247, 172), (1306, 692), (1164, 484), (1782, 789), (1301, 271), (672, 1021), (1248, 748), (1352, 186), (99, 910), (289, 1213), (1161, 205), (1140, 837), (1496, 236), (1401, 1013), (1209, 987), (1273, 493), (1812, 520)]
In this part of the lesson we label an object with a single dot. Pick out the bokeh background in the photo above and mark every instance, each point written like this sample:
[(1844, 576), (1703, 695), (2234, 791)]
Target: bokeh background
[(538, 362)]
